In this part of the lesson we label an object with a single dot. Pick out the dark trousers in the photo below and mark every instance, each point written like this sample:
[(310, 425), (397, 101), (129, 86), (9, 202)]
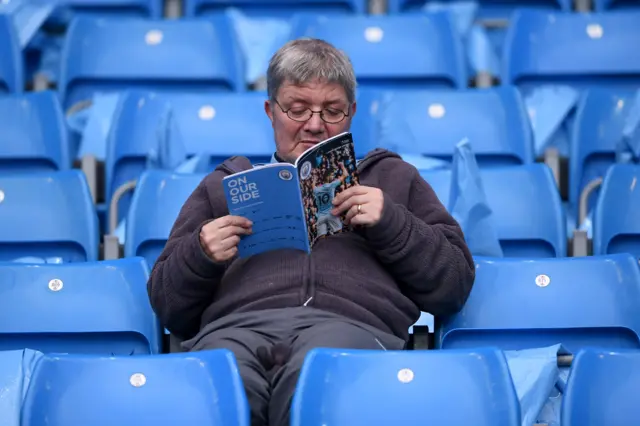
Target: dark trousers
[(270, 347)]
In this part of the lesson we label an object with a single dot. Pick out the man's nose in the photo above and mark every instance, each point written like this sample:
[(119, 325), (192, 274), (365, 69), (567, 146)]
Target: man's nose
[(314, 124)]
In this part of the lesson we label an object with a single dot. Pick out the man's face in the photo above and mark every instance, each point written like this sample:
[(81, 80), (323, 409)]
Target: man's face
[(294, 137)]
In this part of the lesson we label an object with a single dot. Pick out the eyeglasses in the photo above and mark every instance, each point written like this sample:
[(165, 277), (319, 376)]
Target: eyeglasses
[(301, 114)]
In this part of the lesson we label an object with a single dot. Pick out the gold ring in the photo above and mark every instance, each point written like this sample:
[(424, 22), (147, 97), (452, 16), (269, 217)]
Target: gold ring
[(359, 207)]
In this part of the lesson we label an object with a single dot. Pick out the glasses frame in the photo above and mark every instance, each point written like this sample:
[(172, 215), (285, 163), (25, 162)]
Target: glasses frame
[(321, 113)]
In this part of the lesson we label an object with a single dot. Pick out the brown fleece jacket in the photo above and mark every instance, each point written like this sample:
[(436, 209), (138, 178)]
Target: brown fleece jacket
[(414, 259)]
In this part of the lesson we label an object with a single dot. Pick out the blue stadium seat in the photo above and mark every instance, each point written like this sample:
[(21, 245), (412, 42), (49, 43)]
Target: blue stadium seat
[(526, 207), (11, 65), (577, 302), (602, 389), (90, 307), (607, 5), (363, 124), (394, 52), (433, 122), (202, 388), (158, 198), (48, 217), (110, 55), (218, 125), (276, 8), (487, 9), (581, 50), (600, 120), (616, 222), (364, 387), (68, 9), (33, 134)]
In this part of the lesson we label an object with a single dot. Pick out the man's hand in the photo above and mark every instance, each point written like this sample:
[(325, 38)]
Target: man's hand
[(219, 238), (362, 204)]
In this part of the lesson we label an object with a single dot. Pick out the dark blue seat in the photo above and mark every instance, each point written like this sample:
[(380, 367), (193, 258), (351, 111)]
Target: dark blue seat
[(11, 65), (89, 307), (365, 387), (276, 8), (577, 302)]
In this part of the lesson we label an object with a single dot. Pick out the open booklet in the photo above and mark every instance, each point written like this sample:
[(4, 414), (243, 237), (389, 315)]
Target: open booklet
[(290, 204)]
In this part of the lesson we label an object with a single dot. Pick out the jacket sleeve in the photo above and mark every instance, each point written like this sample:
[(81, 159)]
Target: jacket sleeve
[(424, 249), (183, 279)]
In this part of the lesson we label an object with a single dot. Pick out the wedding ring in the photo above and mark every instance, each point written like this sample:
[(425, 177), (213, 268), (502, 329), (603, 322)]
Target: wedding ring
[(359, 207)]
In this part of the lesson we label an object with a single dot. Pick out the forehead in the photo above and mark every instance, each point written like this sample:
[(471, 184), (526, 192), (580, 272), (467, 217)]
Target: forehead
[(316, 92)]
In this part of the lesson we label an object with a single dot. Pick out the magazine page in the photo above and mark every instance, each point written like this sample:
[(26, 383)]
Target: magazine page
[(270, 197), (325, 170)]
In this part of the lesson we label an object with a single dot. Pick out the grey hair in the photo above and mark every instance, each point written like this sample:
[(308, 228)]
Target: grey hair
[(306, 59)]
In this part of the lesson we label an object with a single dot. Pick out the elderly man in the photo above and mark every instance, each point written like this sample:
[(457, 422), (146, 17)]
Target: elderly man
[(361, 289)]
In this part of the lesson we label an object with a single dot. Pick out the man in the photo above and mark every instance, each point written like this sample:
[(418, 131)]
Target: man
[(361, 289)]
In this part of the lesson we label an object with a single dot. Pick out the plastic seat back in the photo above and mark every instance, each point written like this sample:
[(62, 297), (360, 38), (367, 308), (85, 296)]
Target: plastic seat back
[(282, 9), (601, 388), (51, 218), (90, 307), (157, 201), (575, 49), (433, 122), (11, 65), (576, 302), (33, 135), (600, 120), (487, 9), (366, 387), (111, 55), (201, 388), (394, 52), (514, 193), (616, 226)]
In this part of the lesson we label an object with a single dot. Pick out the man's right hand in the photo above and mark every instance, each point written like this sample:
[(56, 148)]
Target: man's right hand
[(219, 238)]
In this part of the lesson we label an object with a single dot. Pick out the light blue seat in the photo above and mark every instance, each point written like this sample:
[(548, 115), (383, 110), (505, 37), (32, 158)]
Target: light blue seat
[(487, 9), (365, 387), (600, 120), (218, 125), (11, 65), (90, 307), (526, 206), (202, 388), (110, 55), (576, 302), (157, 201), (68, 9), (581, 50), (433, 122), (394, 52), (602, 389), (276, 8), (33, 134), (616, 227), (48, 216)]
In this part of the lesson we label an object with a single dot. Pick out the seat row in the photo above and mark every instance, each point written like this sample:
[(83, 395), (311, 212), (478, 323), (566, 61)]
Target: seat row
[(108, 55), (338, 387)]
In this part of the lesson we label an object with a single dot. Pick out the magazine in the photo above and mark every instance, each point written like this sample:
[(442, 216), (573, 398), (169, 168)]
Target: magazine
[(290, 204)]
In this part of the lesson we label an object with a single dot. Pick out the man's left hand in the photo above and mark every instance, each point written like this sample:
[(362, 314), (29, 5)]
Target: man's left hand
[(362, 204)]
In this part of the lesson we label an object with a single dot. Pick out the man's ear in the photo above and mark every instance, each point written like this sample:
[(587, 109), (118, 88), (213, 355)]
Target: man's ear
[(353, 109), (268, 110)]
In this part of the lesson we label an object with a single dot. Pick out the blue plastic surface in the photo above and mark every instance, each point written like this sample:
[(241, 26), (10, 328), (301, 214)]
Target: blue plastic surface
[(202, 388), (51, 215), (432, 122), (552, 47), (33, 136), (616, 227), (576, 302), (15, 374), (154, 208), (276, 8), (67, 10), (602, 388), (513, 193), (93, 307), (487, 9), (600, 120), (394, 52), (12, 65), (357, 388), (106, 55)]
